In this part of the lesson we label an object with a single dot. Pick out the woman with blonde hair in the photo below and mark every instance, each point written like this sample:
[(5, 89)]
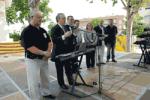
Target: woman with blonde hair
[(90, 38)]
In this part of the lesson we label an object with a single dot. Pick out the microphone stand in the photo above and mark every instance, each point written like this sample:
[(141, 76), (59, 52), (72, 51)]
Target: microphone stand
[(100, 86), (99, 65), (98, 59)]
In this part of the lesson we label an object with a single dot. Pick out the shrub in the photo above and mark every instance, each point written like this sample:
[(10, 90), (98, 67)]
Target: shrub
[(15, 36), (50, 26)]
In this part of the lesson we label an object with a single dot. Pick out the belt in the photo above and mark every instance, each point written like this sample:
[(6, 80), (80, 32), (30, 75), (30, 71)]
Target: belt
[(31, 56), (35, 57)]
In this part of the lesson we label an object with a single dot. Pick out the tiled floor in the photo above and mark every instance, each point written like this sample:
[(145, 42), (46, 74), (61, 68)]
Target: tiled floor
[(120, 80)]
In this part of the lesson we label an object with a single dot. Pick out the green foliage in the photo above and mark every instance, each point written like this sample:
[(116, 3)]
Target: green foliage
[(95, 22), (50, 26), (45, 9), (19, 11), (138, 25), (15, 36), (113, 1), (17, 6), (133, 4)]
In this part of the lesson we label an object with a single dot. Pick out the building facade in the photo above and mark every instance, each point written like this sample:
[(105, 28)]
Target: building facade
[(145, 13), (119, 21)]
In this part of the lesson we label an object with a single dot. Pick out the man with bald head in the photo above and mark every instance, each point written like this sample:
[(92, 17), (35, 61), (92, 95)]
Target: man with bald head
[(37, 46)]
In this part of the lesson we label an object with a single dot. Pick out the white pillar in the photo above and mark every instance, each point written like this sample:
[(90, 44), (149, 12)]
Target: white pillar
[(3, 26)]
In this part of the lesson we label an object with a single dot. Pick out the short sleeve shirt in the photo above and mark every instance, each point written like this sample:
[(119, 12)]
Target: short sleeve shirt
[(33, 36)]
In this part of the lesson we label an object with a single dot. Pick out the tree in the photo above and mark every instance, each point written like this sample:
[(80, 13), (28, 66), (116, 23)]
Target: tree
[(95, 22), (132, 7), (19, 10), (50, 26), (138, 25)]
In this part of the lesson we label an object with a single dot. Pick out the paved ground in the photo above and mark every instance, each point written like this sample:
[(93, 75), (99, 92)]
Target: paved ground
[(121, 81)]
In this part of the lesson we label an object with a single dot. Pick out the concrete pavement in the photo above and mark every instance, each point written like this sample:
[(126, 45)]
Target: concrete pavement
[(121, 80)]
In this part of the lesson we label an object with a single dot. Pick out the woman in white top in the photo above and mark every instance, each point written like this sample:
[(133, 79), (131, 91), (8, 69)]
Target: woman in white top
[(90, 38)]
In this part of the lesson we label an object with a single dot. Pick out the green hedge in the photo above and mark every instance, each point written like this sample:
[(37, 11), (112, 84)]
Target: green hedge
[(15, 36)]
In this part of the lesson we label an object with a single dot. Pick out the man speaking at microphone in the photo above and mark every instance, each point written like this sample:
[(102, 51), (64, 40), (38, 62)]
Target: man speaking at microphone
[(59, 37)]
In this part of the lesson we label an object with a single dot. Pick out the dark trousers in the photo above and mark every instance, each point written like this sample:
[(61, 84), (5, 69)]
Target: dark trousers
[(74, 63), (60, 72), (111, 50), (90, 59)]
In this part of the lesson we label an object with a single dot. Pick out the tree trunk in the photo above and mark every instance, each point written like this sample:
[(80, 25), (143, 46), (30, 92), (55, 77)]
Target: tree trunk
[(33, 4), (129, 31)]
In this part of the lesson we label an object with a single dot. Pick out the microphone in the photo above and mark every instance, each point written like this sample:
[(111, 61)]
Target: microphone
[(86, 31), (99, 35)]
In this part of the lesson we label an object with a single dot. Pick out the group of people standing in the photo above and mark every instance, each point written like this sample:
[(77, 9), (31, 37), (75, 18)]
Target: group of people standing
[(107, 38), (65, 36)]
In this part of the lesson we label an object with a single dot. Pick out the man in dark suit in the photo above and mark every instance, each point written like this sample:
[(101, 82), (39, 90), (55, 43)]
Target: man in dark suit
[(101, 31), (71, 42), (59, 36), (111, 31)]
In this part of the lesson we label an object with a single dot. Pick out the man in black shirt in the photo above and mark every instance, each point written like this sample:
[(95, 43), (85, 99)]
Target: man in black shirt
[(110, 40), (37, 45), (71, 43)]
